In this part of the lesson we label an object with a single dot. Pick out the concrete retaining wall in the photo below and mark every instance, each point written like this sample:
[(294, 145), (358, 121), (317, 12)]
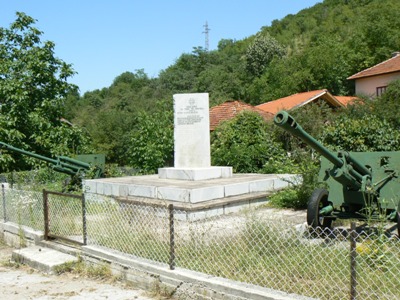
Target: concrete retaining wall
[(148, 275)]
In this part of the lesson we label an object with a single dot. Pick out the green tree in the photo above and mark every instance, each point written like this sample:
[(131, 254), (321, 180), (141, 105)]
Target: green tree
[(33, 86), (380, 30), (388, 104), (151, 144), (220, 83), (260, 53), (245, 143), (368, 133)]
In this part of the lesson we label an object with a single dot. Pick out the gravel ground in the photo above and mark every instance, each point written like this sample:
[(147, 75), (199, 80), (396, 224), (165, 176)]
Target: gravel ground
[(22, 282)]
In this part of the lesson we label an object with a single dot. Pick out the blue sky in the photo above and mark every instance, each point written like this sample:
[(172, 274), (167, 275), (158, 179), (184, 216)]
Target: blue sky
[(103, 39)]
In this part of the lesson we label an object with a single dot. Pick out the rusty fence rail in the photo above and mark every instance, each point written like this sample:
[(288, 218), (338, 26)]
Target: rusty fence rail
[(252, 246), (64, 217)]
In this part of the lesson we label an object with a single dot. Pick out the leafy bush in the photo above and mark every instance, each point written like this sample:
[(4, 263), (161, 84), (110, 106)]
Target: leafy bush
[(368, 133), (151, 144), (387, 106), (297, 196), (246, 143), (37, 179)]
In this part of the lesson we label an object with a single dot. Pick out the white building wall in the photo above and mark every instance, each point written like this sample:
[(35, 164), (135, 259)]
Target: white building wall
[(367, 86)]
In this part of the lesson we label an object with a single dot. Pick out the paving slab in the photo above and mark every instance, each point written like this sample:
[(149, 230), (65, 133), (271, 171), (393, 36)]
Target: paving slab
[(43, 259)]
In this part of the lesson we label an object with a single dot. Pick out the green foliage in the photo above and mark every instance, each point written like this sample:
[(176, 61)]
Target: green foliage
[(387, 106), (33, 86), (261, 52), (313, 118), (110, 134), (284, 198), (368, 133), (151, 142), (37, 179), (318, 48), (108, 115), (219, 79), (245, 143), (299, 193)]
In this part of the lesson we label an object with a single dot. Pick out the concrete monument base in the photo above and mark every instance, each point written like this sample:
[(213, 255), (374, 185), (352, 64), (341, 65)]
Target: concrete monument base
[(199, 198), (195, 173)]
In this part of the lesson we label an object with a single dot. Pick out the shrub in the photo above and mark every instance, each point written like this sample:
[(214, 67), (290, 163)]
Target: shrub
[(246, 143), (151, 144), (367, 133), (298, 195)]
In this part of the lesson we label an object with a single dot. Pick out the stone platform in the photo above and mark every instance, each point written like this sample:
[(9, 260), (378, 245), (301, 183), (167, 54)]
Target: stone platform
[(184, 191), (198, 199)]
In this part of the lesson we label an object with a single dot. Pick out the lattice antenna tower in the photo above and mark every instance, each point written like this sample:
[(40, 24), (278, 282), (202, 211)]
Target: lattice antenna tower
[(206, 32)]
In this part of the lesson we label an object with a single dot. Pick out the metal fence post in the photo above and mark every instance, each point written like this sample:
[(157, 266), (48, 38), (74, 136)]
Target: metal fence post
[(46, 214), (171, 237), (353, 262), (84, 219), (4, 203)]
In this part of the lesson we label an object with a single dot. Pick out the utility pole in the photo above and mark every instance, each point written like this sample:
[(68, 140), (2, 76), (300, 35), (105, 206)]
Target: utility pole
[(206, 31)]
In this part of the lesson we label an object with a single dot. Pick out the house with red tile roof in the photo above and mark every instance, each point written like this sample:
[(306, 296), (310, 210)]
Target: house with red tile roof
[(230, 109), (301, 99), (373, 81)]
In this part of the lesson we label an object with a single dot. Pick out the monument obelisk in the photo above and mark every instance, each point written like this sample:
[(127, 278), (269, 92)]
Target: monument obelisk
[(192, 158)]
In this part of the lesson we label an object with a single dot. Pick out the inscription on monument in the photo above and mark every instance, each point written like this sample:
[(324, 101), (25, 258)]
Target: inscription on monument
[(190, 114)]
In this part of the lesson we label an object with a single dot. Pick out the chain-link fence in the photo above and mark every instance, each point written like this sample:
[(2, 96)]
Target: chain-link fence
[(22, 207), (133, 229), (252, 246), (64, 217), (257, 249)]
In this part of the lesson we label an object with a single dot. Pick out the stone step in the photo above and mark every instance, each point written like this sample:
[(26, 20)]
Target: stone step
[(43, 259)]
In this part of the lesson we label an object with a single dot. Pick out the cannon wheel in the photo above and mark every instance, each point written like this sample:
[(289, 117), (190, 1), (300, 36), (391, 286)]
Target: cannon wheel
[(318, 200)]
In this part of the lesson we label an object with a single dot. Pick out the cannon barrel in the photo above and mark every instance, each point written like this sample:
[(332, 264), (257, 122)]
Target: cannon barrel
[(17, 150), (287, 122), (343, 162), (62, 164)]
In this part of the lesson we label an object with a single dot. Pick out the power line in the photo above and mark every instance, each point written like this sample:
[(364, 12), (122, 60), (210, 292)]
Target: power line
[(206, 31)]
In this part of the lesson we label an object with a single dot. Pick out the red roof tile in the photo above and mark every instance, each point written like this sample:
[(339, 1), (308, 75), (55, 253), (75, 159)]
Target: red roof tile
[(388, 66), (346, 99), (230, 109), (298, 100)]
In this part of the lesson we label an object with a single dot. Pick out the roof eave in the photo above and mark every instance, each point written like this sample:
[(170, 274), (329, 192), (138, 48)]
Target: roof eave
[(354, 77), (327, 97)]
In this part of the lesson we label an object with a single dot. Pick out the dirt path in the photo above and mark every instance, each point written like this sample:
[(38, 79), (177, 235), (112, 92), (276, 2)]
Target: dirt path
[(21, 282)]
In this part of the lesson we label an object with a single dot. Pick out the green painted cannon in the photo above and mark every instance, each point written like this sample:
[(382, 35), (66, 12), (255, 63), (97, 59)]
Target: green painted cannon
[(77, 168), (361, 185)]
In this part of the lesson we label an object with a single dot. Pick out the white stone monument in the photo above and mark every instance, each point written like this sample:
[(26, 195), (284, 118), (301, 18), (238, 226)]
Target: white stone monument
[(192, 159)]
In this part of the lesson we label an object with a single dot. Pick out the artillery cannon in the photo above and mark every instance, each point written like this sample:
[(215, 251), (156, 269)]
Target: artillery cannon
[(77, 168), (361, 185)]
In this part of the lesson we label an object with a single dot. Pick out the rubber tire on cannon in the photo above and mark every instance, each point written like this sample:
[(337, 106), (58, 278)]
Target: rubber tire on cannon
[(318, 200)]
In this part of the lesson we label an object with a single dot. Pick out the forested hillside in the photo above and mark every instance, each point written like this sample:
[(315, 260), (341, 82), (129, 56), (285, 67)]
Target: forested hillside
[(317, 48)]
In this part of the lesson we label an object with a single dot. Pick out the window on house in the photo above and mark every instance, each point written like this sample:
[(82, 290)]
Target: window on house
[(380, 90)]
